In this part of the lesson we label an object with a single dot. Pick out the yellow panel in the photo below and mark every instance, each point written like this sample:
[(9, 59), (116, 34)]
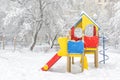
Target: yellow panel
[(63, 42), (63, 46), (89, 52), (85, 63), (90, 48), (86, 21), (75, 55), (79, 25), (62, 52)]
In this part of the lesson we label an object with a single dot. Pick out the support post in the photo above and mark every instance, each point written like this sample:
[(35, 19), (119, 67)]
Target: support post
[(72, 60), (82, 60), (96, 58), (68, 64)]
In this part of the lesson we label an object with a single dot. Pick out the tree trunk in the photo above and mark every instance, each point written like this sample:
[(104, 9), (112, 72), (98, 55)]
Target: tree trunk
[(34, 42), (54, 40), (56, 37), (3, 42), (14, 41)]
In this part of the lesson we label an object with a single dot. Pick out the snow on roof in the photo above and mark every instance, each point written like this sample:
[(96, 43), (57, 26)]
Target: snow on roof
[(80, 19)]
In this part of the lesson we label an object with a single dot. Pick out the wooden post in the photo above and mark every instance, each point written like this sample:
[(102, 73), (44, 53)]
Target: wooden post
[(96, 58), (68, 64), (72, 60)]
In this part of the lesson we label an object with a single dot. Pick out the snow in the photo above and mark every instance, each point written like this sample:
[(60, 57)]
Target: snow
[(23, 64)]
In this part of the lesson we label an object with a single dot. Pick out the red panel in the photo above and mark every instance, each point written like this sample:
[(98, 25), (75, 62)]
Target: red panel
[(73, 37), (91, 42), (94, 31)]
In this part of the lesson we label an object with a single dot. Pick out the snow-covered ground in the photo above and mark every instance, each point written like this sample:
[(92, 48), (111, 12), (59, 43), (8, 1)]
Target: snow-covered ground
[(23, 64)]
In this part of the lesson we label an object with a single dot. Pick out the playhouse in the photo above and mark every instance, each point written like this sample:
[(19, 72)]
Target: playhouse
[(73, 46)]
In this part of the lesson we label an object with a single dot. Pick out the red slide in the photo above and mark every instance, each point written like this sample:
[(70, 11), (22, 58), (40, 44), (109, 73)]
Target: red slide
[(51, 62)]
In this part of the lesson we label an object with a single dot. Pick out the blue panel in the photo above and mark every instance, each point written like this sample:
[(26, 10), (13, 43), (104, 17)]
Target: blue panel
[(75, 47)]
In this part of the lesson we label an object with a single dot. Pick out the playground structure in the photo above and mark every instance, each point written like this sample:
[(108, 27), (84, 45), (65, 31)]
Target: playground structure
[(73, 46)]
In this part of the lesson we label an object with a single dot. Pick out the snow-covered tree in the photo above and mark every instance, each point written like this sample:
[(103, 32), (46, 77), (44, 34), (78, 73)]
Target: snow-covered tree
[(43, 17), (38, 21), (115, 25)]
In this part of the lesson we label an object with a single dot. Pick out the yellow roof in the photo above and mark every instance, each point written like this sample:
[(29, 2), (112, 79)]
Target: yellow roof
[(85, 20)]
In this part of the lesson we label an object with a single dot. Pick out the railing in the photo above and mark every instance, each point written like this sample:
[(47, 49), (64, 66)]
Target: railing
[(104, 49)]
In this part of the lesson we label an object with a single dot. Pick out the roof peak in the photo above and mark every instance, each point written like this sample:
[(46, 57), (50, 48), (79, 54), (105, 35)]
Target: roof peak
[(84, 13)]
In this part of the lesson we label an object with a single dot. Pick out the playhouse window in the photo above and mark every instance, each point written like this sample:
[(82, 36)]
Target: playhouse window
[(78, 32), (89, 31)]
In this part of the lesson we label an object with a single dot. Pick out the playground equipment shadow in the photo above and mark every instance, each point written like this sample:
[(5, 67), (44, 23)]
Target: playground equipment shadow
[(75, 68)]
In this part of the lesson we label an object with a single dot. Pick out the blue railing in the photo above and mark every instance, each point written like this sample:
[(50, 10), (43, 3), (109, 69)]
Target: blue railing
[(104, 49)]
